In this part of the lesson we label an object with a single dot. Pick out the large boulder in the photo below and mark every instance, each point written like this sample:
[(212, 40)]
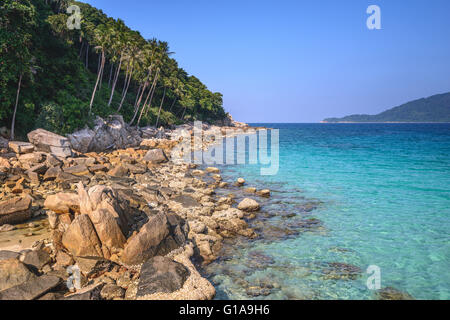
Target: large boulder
[(112, 133), (161, 275), (12, 273), (81, 239), (63, 203), (100, 204), (50, 142), (15, 210), (156, 156), (31, 289), (146, 243), (81, 140)]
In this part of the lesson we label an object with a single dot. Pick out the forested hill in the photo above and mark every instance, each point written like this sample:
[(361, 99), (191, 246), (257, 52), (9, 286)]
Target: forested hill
[(433, 109), (60, 79)]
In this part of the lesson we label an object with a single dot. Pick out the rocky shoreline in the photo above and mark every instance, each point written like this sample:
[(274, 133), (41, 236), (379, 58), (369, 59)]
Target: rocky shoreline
[(134, 223)]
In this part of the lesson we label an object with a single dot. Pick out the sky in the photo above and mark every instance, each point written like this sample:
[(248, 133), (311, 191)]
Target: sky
[(301, 61)]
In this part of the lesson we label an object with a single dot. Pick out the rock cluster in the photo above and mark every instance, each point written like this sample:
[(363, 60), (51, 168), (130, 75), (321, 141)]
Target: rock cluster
[(131, 220)]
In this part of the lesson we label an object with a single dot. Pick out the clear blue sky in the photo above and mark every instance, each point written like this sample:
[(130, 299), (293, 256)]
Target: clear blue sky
[(301, 61)]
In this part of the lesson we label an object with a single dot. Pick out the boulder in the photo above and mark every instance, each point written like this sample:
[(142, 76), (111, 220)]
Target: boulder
[(92, 266), (100, 203), (111, 292), (156, 156), (21, 147), (50, 142), (78, 170), (111, 133), (240, 182), (81, 239), (146, 243), (13, 272), (118, 171), (186, 201), (15, 210), (36, 260), (161, 275), (3, 143), (81, 140), (31, 289), (91, 292), (249, 205), (52, 173), (63, 203)]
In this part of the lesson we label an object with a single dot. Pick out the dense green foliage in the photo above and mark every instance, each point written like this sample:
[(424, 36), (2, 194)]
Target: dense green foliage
[(66, 77), (432, 109)]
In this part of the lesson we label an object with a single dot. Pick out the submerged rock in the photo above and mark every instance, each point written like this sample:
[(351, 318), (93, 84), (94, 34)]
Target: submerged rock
[(341, 271), (390, 293)]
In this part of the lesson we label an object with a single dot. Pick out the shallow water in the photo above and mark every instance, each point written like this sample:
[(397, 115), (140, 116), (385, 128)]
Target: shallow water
[(355, 194)]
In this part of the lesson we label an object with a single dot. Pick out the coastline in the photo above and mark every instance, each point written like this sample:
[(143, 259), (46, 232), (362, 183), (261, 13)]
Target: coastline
[(140, 190)]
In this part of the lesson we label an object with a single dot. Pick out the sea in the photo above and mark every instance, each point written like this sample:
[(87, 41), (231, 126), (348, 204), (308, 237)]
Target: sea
[(354, 208)]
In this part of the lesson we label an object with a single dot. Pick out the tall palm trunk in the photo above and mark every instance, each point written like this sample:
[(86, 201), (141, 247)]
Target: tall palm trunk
[(87, 56), (137, 96), (110, 74), (13, 123), (136, 109), (96, 83), (81, 49), (173, 103), (160, 107), (115, 81), (126, 79), (126, 90), (152, 91)]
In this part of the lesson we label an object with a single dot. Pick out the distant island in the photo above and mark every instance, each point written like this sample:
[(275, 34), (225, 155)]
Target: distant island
[(433, 109)]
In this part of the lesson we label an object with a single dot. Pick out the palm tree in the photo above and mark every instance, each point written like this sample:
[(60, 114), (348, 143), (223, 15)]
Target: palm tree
[(101, 39), (120, 32)]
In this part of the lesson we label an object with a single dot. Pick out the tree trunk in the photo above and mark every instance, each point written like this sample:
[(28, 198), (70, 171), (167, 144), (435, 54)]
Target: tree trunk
[(126, 79), (182, 117), (126, 90), (96, 83), (81, 49), (110, 74), (13, 123), (87, 56), (136, 109), (152, 90), (137, 96), (160, 107), (173, 103), (115, 81)]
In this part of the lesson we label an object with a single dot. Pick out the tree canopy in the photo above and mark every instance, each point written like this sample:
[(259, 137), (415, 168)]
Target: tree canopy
[(60, 79)]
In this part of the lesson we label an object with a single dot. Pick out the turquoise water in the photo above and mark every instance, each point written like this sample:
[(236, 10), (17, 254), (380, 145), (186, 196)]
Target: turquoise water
[(379, 194)]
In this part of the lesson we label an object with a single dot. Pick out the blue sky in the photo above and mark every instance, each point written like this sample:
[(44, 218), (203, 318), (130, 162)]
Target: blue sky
[(301, 61)]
